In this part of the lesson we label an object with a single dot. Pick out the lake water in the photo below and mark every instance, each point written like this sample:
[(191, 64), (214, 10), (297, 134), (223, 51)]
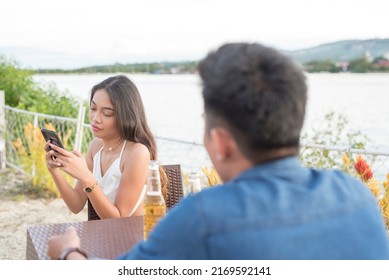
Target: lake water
[(174, 106)]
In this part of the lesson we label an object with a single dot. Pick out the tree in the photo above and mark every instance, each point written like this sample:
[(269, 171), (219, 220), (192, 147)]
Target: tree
[(360, 65), (322, 66), (23, 92)]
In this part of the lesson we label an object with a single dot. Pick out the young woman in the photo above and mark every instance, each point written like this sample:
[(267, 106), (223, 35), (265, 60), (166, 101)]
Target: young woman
[(113, 173)]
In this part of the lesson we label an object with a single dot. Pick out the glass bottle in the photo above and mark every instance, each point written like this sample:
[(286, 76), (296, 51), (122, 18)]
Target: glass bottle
[(154, 203), (194, 184)]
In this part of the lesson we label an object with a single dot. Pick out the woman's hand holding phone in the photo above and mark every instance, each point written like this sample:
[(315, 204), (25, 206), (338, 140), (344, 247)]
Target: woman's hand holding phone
[(51, 137), (72, 162), (51, 156)]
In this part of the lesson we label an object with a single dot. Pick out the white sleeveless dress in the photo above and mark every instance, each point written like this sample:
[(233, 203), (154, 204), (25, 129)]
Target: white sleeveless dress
[(111, 179)]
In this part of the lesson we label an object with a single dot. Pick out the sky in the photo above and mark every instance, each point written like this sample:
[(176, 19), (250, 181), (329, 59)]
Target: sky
[(77, 33)]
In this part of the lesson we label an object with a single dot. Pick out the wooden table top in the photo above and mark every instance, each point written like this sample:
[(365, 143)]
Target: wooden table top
[(106, 239)]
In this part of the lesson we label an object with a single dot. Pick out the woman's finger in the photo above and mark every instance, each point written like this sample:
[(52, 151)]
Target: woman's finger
[(51, 159), (46, 147), (59, 150), (57, 160), (77, 153)]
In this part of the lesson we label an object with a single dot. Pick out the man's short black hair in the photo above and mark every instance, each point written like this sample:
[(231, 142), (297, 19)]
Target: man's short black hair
[(258, 92)]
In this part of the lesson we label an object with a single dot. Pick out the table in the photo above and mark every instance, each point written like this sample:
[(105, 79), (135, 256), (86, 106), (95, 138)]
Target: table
[(105, 239)]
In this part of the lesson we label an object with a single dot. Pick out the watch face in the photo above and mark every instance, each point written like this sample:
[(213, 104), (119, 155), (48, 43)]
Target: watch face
[(88, 189)]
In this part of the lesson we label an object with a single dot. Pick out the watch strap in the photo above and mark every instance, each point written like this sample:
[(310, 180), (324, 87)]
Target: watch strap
[(65, 253), (90, 188)]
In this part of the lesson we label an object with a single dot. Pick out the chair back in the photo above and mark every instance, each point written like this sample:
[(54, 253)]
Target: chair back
[(174, 184), (174, 189), (92, 215)]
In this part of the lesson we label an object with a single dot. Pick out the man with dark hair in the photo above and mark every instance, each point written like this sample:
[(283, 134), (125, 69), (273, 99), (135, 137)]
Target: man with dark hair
[(270, 206)]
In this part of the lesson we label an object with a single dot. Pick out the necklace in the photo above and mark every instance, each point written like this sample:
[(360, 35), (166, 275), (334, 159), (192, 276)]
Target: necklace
[(111, 148)]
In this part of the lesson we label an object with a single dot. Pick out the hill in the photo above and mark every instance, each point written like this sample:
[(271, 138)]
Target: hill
[(339, 51), (342, 50)]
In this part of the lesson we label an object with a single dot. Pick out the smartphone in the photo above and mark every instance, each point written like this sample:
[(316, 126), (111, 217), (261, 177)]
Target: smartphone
[(52, 136)]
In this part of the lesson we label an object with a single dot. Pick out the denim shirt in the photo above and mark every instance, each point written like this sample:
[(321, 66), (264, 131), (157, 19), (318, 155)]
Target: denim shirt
[(275, 210)]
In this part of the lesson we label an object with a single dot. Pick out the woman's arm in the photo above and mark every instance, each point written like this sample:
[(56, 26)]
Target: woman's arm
[(134, 178), (74, 199)]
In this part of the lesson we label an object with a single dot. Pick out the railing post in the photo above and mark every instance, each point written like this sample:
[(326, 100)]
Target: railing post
[(33, 168), (3, 150), (80, 127), (35, 120)]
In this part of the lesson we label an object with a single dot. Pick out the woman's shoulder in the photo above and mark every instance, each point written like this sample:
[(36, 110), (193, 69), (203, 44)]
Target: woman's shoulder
[(136, 151)]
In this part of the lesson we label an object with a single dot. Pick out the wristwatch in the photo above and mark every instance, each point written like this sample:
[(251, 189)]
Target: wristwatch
[(65, 253), (90, 188)]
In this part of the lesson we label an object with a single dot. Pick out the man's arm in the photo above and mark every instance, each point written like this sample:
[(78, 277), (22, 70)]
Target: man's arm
[(66, 246)]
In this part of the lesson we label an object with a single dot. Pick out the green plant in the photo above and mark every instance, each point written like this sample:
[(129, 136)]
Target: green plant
[(21, 91), (333, 131)]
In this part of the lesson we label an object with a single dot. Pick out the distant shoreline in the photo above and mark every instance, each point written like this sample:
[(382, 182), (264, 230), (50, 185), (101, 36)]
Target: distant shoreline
[(183, 74)]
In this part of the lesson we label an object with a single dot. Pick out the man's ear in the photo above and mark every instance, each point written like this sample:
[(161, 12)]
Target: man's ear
[(223, 142)]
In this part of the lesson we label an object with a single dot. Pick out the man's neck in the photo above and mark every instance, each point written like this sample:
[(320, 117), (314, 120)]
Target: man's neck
[(238, 163), (273, 154)]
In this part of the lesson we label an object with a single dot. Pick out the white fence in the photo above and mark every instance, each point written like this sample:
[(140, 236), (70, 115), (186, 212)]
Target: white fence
[(191, 155), (2, 130)]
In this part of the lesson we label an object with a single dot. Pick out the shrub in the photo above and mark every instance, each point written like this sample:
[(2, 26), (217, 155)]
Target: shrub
[(33, 161), (21, 91)]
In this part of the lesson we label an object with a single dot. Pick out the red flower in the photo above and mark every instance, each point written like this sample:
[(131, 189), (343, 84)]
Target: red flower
[(363, 169)]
